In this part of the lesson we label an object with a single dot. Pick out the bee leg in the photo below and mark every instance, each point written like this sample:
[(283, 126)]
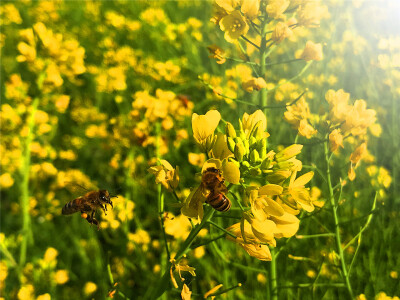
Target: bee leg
[(111, 204), (104, 208)]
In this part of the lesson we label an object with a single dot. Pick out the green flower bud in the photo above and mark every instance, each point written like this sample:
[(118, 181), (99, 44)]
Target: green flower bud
[(230, 130), (246, 164), (284, 165), (239, 151), (210, 141), (254, 130), (252, 142), (231, 159), (255, 172), (278, 176), (246, 146), (254, 156), (265, 164), (262, 148), (231, 144)]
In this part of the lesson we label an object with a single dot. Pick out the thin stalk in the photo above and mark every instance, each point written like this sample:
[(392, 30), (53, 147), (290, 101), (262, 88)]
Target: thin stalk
[(336, 219), (162, 285), (160, 194), (313, 236), (222, 229), (26, 219), (273, 281), (263, 101)]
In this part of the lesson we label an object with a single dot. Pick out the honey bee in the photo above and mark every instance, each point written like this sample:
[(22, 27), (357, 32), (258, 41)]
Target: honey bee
[(213, 181), (88, 204)]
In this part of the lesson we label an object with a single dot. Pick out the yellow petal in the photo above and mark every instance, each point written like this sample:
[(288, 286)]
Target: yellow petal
[(270, 190), (302, 180), (263, 230), (231, 172), (273, 208), (186, 293), (286, 225)]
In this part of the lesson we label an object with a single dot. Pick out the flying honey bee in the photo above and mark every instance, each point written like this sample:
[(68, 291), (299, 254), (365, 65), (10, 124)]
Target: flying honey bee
[(88, 204), (213, 181)]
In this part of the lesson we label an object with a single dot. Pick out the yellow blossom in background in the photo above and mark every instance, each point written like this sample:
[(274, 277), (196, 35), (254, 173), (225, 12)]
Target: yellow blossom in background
[(234, 25), (196, 159), (310, 13), (335, 140), (44, 297), (26, 292), (312, 51), (358, 153), (179, 227), (6, 181), (338, 105), (250, 8), (276, 8), (217, 53), (254, 84), (50, 255), (281, 32), (359, 119), (89, 288), (9, 14), (186, 294), (166, 175), (228, 5), (61, 276), (62, 103), (212, 291)]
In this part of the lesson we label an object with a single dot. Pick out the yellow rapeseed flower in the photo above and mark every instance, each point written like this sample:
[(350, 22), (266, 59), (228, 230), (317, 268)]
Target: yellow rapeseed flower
[(250, 8), (166, 175), (186, 294), (254, 84), (203, 128), (26, 292), (252, 246), (250, 121), (61, 276), (50, 255), (276, 8), (312, 51), (234, 25), (335, 140), (6, 181), (89, 288), (281, 32), (44, 297)]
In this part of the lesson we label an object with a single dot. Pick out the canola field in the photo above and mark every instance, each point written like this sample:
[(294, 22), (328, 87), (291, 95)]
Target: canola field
[(226, 149)]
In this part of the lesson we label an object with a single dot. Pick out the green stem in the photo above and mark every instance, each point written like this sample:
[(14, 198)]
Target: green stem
[(311, 236), (163, 284), (263, 101), (336, 219), (26, 219), (222, 229), (273, 281)]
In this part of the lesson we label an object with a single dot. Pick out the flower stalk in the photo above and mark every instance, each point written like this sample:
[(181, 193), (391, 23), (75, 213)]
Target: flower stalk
[(26, 219), (336, 219)]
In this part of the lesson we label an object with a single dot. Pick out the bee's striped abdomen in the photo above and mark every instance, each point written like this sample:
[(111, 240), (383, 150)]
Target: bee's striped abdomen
[(219, 201), (70, 208)]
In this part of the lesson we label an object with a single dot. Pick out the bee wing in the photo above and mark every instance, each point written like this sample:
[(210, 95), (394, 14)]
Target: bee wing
[(193, 206), (76, 189), (222, 188)]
